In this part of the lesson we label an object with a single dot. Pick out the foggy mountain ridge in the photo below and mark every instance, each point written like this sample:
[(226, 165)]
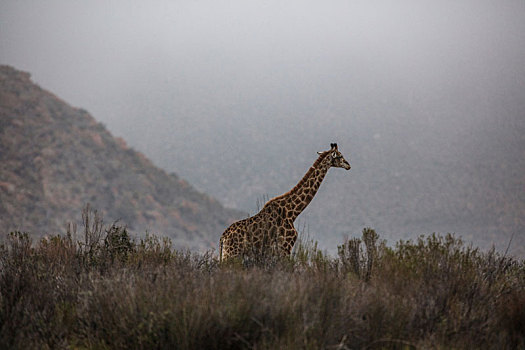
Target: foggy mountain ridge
[(54, 159)]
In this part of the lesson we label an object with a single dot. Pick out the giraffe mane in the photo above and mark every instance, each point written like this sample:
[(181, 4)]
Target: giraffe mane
[(318, 161)]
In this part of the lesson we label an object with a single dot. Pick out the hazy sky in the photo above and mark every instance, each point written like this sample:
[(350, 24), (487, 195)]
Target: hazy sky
[(145, 68), (85, 50), (441, 77)]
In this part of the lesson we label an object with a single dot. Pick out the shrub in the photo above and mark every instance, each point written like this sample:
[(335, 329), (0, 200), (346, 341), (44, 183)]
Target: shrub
[(107, 290)]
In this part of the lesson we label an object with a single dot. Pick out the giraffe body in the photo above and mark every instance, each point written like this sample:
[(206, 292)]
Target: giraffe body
[(272, 229)]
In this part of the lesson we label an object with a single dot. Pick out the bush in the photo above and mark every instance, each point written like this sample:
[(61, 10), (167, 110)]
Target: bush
[(107, 290)]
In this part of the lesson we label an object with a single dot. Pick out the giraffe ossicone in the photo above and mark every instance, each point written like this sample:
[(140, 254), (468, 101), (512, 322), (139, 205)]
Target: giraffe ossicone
[(271, 229)]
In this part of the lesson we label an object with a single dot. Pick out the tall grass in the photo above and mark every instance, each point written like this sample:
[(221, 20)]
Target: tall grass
[(106, 290)]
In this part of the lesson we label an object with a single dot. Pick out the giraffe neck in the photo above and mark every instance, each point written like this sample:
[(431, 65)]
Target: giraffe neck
[(302, 194)]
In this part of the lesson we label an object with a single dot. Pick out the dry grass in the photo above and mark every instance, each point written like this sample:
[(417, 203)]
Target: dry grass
[(107, 290)]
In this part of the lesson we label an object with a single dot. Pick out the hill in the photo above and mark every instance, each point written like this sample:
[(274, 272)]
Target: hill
[(55, 158)]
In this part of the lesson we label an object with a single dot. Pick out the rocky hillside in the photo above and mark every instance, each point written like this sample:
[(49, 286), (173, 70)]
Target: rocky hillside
[(55, 158)]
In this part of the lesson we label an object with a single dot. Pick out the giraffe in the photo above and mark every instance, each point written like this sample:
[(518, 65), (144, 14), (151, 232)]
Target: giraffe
[(272, 227)]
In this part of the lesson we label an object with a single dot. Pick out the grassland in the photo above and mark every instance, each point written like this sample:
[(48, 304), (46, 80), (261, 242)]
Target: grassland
[(98, 288)]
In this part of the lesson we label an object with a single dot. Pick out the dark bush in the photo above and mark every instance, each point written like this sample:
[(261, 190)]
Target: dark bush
[(108, 290)]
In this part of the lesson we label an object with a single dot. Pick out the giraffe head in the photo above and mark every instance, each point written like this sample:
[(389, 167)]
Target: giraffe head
[(335, 158)]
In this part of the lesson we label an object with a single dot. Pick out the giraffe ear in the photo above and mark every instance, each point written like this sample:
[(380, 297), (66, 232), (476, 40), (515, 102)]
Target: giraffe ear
[(319, 153)]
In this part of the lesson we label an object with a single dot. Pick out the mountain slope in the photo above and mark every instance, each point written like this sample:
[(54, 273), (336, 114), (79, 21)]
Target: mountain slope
[(55, 158)]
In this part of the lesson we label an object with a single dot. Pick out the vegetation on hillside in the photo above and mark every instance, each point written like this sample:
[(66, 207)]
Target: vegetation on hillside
[(97, 287)]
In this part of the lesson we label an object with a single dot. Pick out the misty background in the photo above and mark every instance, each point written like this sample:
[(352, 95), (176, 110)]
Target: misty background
[(426, 99)]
